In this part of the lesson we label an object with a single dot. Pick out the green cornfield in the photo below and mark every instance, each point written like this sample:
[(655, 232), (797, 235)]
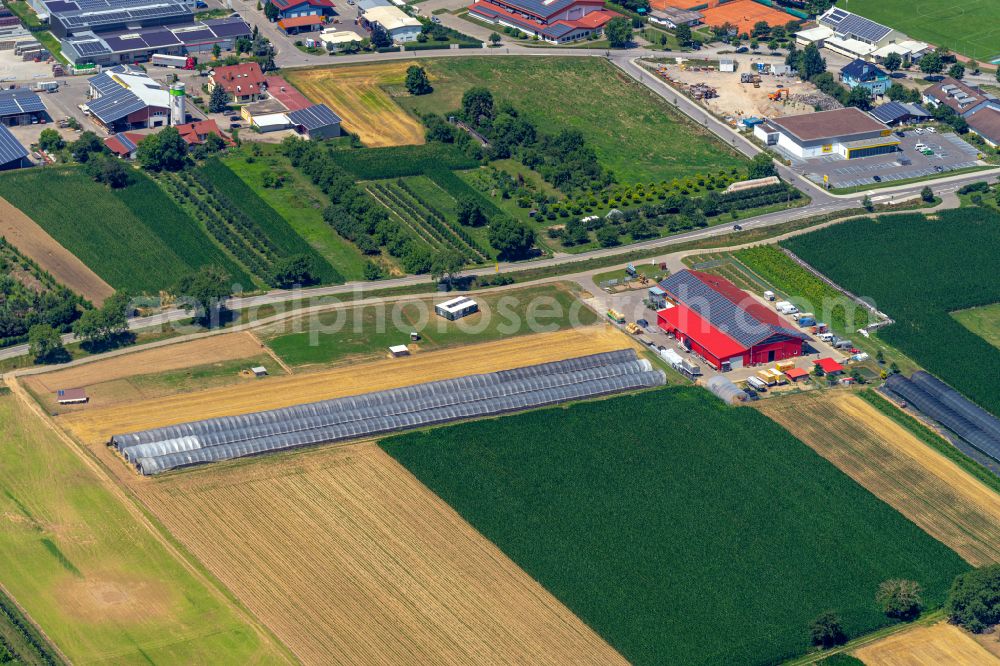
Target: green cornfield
[(918, 270), (683, 531)]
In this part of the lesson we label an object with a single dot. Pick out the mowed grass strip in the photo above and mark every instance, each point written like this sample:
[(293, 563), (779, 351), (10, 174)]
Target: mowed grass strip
[(301, 204), (682, 530), (367, 332), (983, 321), (971, 27), (274, 226), (634, 132), (97, 226), (97, 582)]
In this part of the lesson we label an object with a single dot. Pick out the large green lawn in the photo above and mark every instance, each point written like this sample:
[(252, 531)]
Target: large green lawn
[(983, 321), (136, 238), (971, 27), (368, 331), (96, 580), (301, 203), (635, 133), (682, 530)]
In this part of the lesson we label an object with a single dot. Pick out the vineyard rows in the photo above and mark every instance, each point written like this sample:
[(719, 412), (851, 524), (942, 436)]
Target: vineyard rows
[(427, 222)]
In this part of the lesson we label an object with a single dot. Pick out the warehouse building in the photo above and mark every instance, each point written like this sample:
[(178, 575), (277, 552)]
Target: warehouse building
[(554, 21), (12, 154), (716, 320), (69, 17), (848, 133), (986, 124), (900, 113), (456, 308), (20, 106), (139, 44), (858, 37), (125, 98), (401, 26)]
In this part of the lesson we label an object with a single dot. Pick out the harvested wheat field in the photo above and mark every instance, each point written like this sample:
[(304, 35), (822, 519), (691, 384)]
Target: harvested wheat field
[(349, 559), (893, 464), (96, 426), (33, 241), (927, 646), (358, 94), (118, 379)]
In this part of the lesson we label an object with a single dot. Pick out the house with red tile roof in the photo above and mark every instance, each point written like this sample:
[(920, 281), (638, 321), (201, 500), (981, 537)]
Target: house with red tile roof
[(554, 21), (126, 144), (244, 82)]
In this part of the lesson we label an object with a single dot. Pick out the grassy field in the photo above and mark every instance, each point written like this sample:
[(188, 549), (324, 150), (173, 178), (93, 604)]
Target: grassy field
[(667, 521), (983, 321), (367, 332), (634, 133), (971, 28), (301, 204), (20, 641), (135, 239), (918, 280), (275, 227), (96, 580)]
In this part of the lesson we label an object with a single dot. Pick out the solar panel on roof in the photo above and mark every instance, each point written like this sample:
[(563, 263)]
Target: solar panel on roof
[(314, 117), (9, 108), (10, 148), (116, 106)]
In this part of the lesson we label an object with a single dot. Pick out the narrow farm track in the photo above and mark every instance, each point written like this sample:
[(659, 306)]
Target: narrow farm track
[(349, 559), (889, 461)]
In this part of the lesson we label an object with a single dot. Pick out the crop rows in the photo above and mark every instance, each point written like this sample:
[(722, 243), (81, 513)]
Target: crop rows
[(918, 270), (455, 229), (399, 161), (232, 229)]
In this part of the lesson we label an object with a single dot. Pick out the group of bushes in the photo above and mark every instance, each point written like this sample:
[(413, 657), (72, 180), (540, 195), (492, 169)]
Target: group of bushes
[(468, 246), (22, 307)]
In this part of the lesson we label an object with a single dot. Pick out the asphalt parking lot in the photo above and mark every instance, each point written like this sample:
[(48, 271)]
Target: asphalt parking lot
[(950, 153)]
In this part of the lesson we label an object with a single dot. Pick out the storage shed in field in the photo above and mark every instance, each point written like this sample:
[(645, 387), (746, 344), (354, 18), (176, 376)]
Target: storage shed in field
[(456, 308)]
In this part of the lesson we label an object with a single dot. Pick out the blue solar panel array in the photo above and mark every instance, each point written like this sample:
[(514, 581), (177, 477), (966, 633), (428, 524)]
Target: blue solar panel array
[(10, 148), (721, 312), (314, 117), (18, 101), (852, 25)]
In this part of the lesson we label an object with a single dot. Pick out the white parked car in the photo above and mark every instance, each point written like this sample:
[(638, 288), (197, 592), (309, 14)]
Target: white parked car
[(920, 147), (930, 130), (919, 130)]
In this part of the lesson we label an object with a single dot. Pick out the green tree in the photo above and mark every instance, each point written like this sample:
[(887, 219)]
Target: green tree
[(50, 140), (86, 145), (512, 239), (957, 71), (619, 32), (105, 327), (380, 38), (446, 264), (270, 11), (893, 61), (683, 34), (108, 170), (867, 203), (470, 213), (761, 166), (293, 271), (974, 599), (216, 51), (417, 82), (827, 630), (927, 194), (900, 599), (810, 62), (373, 271), (204, 293), (45, 345), (931, 63), (477, 106), (163, 151), (495, 38), (761, 29), (859, 97), (218, 102), (607, 236)]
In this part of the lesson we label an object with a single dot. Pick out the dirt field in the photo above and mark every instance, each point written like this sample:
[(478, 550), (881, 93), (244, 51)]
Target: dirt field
[(742, 100), (928, 646), (889, 461), (349, 559), (95, 426), (107, 381), (356, 93), (32, 241)]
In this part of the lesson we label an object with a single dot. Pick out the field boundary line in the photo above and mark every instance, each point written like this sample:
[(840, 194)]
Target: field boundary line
[(159, 533), (51, 643), (270, 352)]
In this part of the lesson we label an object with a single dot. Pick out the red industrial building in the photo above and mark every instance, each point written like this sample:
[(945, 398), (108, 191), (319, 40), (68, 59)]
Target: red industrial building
[(727, 327)]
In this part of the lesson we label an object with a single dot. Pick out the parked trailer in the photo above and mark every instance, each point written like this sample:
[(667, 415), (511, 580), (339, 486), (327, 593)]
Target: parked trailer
[(766, 377), (757, 384), (179, 62)]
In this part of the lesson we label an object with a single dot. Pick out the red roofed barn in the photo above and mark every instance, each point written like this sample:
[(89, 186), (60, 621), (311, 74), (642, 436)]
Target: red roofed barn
[(555, 21), (244, 82), (723, 324)]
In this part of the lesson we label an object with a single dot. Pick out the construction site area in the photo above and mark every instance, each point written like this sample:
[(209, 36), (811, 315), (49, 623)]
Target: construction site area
[(752, 88)]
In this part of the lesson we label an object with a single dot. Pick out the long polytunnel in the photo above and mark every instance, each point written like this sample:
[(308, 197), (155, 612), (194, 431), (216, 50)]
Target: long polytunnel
[(378, 398), (926, 397), (162, 449)]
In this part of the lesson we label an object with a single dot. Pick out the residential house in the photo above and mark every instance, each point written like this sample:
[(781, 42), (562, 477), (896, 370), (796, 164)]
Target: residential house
[(965, 100), (865, 75), (245, 82)]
